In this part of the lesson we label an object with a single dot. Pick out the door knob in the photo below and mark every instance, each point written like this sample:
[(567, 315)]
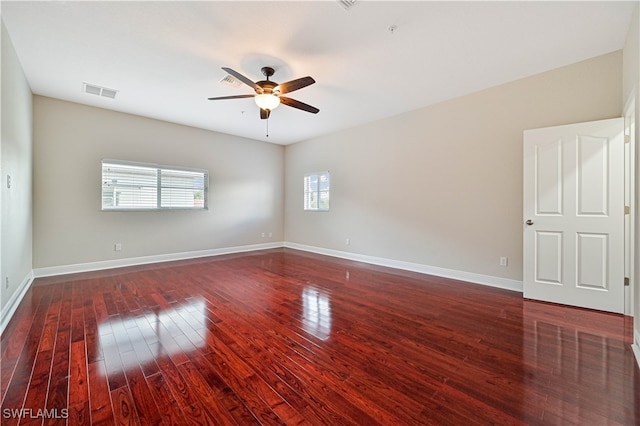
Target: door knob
[(529, 222)]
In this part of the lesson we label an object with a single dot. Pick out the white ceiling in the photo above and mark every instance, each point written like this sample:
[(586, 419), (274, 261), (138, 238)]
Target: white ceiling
[(164, 57)]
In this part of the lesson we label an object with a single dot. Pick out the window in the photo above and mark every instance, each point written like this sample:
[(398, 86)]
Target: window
[(316, 191), (139, 186)]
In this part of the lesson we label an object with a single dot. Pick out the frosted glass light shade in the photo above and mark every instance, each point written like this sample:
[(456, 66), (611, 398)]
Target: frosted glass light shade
[(267, 101)]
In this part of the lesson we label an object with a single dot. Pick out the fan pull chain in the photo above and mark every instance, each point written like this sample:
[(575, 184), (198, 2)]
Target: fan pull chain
[(267, 120)]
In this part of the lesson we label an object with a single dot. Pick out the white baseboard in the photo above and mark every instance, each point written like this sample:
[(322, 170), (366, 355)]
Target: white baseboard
[(14, 301), (636, 345), (134, 261), (487, 280)]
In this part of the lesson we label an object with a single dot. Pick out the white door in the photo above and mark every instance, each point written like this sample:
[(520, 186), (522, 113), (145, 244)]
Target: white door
[(574, 215)]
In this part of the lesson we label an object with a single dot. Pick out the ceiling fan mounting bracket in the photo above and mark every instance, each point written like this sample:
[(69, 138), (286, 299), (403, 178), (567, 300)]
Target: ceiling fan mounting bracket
[(267, 71)]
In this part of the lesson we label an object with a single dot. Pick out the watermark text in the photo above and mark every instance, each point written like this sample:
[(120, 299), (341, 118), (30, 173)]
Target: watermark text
[(29, 413)]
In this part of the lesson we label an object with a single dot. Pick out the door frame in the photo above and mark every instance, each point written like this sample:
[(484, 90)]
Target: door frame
[(630, 201)]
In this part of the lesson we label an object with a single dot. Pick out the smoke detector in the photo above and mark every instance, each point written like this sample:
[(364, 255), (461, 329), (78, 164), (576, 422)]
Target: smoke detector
[(93, 89)]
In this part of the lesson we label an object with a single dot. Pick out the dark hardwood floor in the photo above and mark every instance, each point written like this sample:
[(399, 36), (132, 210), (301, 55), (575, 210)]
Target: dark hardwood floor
[(287, 337)]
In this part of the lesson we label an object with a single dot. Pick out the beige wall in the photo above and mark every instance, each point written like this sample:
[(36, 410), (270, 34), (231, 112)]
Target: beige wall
[(442, 186), (245, 187), (15, 155)]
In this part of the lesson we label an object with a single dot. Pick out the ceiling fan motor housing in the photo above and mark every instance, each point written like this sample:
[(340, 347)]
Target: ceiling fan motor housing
[(267, 87)]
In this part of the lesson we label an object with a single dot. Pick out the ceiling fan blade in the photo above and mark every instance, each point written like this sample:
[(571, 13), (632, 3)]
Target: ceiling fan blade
[(292, 85), (243, 79), (231, 97), (264, 113), (297, 104)]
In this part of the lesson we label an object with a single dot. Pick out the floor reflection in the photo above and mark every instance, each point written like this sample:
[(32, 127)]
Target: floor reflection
[(163, 332), (571, 352), (316, 313)]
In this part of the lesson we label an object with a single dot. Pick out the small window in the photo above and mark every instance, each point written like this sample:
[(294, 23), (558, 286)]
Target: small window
[(140, 186), (316, 191)]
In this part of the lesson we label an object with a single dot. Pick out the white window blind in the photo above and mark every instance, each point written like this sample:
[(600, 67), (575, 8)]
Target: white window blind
[(140, 186), (316, 191)]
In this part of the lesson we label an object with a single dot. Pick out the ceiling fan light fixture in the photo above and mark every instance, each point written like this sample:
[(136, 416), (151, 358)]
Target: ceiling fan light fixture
[(267, 101), (267, 93)]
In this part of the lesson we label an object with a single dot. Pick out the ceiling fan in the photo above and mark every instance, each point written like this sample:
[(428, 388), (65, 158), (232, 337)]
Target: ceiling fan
[(269, 93)]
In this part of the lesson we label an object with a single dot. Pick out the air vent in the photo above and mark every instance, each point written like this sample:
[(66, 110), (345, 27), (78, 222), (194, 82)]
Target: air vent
[(347, 4), (92, 89), (229, 80), (108, 93)]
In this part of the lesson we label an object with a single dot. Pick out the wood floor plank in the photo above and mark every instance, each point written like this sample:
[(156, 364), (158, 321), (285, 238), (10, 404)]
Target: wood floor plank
[(207, 396), (124, 410), (191, 408), (17, 388), (168, 408), (57, 394), (230, 400), (237, 375), (112, 362), (146, 408), (14, 337), (92, 340), (36, 398), (79, 411), (286, 337), (99, 396)]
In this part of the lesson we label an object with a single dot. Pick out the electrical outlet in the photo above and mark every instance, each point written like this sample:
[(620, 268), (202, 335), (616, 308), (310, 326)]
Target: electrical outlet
[(263, 234), (117, 247), (504, 261), (347, 241), (8, 181), (270, 234)]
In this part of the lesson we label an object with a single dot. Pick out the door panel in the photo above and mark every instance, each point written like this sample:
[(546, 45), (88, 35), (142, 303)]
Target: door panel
[(593, 173), (548, 177), (574, 202), (592, 255), (549, 257)]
